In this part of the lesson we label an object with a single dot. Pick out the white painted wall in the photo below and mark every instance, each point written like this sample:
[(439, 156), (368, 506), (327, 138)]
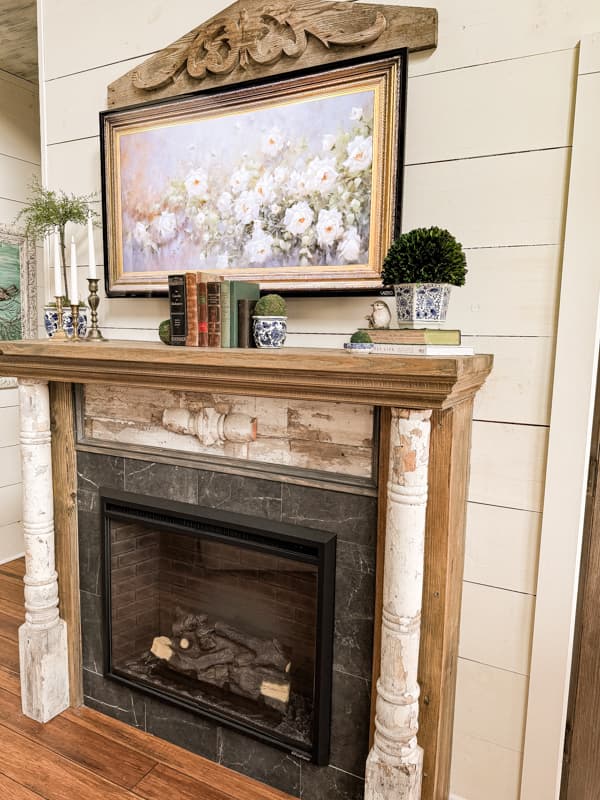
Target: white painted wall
[(490, 116), (19, 162)]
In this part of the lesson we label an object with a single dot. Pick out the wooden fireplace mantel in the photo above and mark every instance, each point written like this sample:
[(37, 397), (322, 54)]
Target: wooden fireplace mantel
[(424, 445), (312, 374)]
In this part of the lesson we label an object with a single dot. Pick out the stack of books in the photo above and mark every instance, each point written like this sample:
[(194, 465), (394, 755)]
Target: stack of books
[(417, 342), (207, 311)]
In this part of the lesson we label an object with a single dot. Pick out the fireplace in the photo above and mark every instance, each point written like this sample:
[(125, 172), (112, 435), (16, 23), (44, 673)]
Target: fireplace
[(227, 615)]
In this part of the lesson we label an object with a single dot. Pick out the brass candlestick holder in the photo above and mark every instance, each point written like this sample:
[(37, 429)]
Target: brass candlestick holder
[(75, 317), (94, 334), (60, 332)]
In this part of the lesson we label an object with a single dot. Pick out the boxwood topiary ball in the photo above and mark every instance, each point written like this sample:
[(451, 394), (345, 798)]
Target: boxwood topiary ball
[(164, 331)]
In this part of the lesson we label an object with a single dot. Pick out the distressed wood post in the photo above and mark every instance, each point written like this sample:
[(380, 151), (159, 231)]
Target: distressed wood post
[(395, 763), (43, 636)]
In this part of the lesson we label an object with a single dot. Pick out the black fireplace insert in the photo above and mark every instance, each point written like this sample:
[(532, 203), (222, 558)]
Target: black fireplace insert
[(228, 615)]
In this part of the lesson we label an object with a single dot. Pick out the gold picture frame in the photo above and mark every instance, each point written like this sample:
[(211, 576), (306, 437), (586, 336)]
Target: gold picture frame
[(294, 183)]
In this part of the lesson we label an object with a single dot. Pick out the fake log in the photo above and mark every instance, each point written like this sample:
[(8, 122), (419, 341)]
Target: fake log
[(223, 656)]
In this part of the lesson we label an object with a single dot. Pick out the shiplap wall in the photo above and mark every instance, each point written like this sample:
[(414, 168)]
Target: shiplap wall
[(488, 146), (19, 162)]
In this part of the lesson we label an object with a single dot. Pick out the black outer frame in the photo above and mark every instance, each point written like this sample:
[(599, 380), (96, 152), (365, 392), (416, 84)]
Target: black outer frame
[(401, 54), (304, 544)]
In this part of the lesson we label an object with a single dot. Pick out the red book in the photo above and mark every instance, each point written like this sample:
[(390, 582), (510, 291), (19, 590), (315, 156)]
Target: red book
[(202, 315), (213, 306)]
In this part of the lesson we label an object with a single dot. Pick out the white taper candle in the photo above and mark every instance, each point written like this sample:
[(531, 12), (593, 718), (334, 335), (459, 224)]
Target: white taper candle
[(57, 275), (91, 250), (74, 287)]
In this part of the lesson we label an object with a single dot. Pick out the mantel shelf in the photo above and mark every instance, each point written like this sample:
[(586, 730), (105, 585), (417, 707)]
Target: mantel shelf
[(316, 373)]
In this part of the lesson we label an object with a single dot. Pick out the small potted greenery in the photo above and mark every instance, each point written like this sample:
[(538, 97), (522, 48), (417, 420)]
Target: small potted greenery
[(422, 266), (360, 342), (270, 321), (46, 211)]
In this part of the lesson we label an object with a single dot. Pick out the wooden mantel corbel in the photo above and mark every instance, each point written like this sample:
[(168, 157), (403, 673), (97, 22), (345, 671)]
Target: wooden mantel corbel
[(255, 39)]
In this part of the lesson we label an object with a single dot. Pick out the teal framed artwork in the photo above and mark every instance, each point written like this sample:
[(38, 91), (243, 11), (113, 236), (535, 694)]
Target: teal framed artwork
[(17, 286)]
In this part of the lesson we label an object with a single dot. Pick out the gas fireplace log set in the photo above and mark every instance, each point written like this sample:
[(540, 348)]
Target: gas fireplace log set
[(444, 386), (220, 655)]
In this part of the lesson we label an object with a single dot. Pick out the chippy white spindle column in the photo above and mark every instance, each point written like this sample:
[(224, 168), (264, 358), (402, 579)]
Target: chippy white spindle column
[(43, 636), (395, 763)]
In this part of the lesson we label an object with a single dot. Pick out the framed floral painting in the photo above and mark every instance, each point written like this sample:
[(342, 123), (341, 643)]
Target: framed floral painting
[(294, 183), (17, 286)]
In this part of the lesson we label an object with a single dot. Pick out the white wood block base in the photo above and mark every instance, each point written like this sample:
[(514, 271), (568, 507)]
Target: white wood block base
[(44, 670)]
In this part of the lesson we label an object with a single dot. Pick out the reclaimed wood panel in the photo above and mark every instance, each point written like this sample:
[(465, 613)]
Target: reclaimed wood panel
[(336, 438)]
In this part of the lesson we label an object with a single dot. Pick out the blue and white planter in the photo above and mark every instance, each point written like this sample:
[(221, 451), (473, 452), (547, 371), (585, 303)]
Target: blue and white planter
[(422, 303), (51, 321), (269, 332), (358, 347)]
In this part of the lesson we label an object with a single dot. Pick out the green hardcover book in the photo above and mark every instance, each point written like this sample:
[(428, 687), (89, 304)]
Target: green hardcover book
[(226, 314), (239, 290)]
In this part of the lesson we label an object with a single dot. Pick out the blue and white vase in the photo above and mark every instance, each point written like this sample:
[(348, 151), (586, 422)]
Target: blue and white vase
[(422, 303), (51, 321), (269, 331)]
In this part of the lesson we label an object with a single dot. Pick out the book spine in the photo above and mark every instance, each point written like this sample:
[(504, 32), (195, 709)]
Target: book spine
[(177, 308), (245, 312), (414, 337), (213, 305), (226, 315), (202, 314), (423, 349), (191, 305)]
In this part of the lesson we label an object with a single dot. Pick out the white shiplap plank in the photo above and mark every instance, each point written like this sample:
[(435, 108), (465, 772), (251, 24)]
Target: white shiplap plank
[(520, 384), (9, 428), (16, 177), (9, 210), (508, 465), (510, 291), (10, 503), (502, 547), (9, 397), (511, 106), (74, 166), (19, 121), (114, 31), (491, 704), (85, 91), (10, 469), (12, 544), (472, 32), (589, 54), (489, 202), (496, 627), (484, 771)]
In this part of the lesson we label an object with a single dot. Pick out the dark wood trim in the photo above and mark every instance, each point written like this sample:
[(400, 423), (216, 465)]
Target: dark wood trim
[(581, 778), (64, 476)]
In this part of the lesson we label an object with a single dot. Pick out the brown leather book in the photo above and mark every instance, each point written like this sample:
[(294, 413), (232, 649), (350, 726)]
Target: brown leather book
[(244, 326), (213, 305), (202, 314), (191, 304)]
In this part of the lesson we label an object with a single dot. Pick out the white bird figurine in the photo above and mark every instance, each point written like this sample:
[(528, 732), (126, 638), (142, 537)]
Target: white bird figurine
[(380, 316)]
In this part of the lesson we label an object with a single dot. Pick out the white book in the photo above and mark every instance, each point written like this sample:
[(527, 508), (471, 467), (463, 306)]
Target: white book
[(423, 349)]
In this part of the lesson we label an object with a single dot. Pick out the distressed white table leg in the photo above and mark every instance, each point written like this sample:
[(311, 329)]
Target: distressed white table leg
[(43, 636), (395, 763)]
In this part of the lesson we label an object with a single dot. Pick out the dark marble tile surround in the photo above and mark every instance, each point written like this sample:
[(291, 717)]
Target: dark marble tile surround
[(351, 517)]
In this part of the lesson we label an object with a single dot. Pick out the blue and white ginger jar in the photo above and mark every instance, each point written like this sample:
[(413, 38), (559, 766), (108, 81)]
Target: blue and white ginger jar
[(269, 331), (51, 321), (422, 303)]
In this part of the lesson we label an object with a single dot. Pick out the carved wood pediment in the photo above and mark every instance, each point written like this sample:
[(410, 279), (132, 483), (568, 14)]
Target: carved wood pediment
[(253, 39)]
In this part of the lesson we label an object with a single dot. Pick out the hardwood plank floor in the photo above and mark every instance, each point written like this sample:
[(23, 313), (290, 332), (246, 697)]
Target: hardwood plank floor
[(86, 755)]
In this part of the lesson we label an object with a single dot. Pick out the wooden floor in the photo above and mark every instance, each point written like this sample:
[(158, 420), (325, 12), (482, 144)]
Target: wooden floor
[(84, 755)]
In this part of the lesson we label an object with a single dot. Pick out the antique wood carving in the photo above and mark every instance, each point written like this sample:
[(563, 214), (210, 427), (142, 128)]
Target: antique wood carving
[(251, 40)]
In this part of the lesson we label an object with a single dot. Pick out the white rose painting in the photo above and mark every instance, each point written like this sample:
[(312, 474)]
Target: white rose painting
[(285, 186)]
